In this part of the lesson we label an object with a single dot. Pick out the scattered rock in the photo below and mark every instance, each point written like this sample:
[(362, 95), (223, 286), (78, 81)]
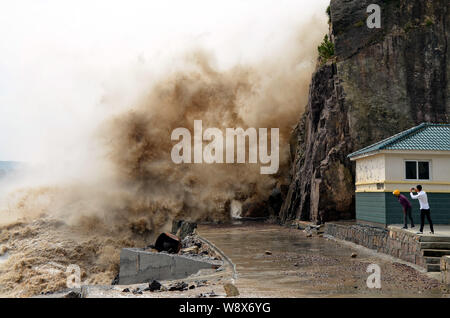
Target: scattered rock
[(154, 285), (268, 252), (190, 250), (201, 283), (179, 286), (354, 255), (210, 294), (126, 290), (231, 290), (309, 234), (137, 291), (193, 245), (72, 294), (192, 287)]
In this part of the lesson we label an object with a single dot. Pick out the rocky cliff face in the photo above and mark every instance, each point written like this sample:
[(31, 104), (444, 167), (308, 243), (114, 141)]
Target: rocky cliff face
[(381, 81)]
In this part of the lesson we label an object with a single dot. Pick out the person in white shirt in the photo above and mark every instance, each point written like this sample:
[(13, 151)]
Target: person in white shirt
[(424, 207)]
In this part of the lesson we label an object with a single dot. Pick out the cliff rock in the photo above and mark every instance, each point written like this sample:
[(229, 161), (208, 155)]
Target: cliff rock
[(380, 82)]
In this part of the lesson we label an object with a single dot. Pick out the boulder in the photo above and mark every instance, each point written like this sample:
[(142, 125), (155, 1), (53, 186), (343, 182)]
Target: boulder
[(153, 286), (231, 290)]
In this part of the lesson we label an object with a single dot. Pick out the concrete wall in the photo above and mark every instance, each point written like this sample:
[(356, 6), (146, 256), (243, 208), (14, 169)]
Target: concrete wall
[(138, 266), (400, 244)]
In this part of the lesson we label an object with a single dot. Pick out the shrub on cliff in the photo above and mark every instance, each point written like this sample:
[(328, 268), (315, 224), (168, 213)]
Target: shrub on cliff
[(326, 50)]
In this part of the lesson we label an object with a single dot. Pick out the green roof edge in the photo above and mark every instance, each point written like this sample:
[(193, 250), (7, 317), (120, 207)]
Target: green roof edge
[(393, 139)]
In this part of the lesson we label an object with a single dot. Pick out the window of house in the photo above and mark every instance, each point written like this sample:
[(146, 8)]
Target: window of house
[(417, 170)]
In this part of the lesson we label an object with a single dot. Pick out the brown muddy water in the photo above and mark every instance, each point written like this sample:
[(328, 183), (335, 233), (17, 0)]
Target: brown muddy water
[(310, 267)]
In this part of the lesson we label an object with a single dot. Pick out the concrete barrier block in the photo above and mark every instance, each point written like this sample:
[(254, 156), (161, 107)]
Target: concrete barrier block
[(139, 266)]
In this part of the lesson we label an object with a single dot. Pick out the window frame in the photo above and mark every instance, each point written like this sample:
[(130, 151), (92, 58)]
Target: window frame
[(417, 169)]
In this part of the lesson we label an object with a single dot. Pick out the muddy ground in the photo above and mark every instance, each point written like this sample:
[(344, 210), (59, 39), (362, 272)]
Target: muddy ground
[(300, 266)]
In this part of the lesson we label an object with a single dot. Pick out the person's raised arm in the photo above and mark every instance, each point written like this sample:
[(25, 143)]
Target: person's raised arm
[(413, 196)]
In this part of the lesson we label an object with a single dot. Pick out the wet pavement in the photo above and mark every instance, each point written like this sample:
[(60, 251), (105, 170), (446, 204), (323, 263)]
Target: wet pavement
[(275, 261)]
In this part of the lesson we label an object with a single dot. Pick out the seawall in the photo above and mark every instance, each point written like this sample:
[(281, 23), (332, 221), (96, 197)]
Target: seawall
[(394, 242)]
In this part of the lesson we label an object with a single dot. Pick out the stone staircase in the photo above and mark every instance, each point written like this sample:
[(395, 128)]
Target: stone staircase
[(433, 248)]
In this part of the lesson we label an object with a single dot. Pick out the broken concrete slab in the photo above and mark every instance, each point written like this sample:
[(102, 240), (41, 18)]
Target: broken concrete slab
[(139, 266)]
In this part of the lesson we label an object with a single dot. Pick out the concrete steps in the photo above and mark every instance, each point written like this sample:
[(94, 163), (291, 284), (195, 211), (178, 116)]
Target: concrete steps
[(432, 260), (435, 245), (434, 238), (433, 263), (435, 252), (433, 267), (433, 248)]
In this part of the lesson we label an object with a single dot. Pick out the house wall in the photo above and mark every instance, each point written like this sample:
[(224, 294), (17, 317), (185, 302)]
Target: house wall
[(385, 172), (383, 208), (378, 176), (371, 207), (369, 172), (370, 169), (440, 172)]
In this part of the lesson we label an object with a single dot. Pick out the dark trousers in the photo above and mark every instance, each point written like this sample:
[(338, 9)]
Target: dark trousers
[(426, 213), (407, 214)]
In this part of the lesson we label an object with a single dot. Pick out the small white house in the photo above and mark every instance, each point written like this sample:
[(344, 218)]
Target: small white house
[(420, 155)]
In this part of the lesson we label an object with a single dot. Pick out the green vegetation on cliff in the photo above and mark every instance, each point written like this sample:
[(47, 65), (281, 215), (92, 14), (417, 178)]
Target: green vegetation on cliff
[(326, 50)]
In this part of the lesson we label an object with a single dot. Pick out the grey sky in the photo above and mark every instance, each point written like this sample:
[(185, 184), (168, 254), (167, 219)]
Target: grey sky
[(58, 58)]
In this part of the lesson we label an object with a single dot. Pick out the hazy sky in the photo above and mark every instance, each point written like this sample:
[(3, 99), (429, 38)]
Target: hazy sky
[(59, 58)]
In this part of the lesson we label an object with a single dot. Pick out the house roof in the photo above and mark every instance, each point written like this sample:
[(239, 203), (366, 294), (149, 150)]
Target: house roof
[(426, 136)]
